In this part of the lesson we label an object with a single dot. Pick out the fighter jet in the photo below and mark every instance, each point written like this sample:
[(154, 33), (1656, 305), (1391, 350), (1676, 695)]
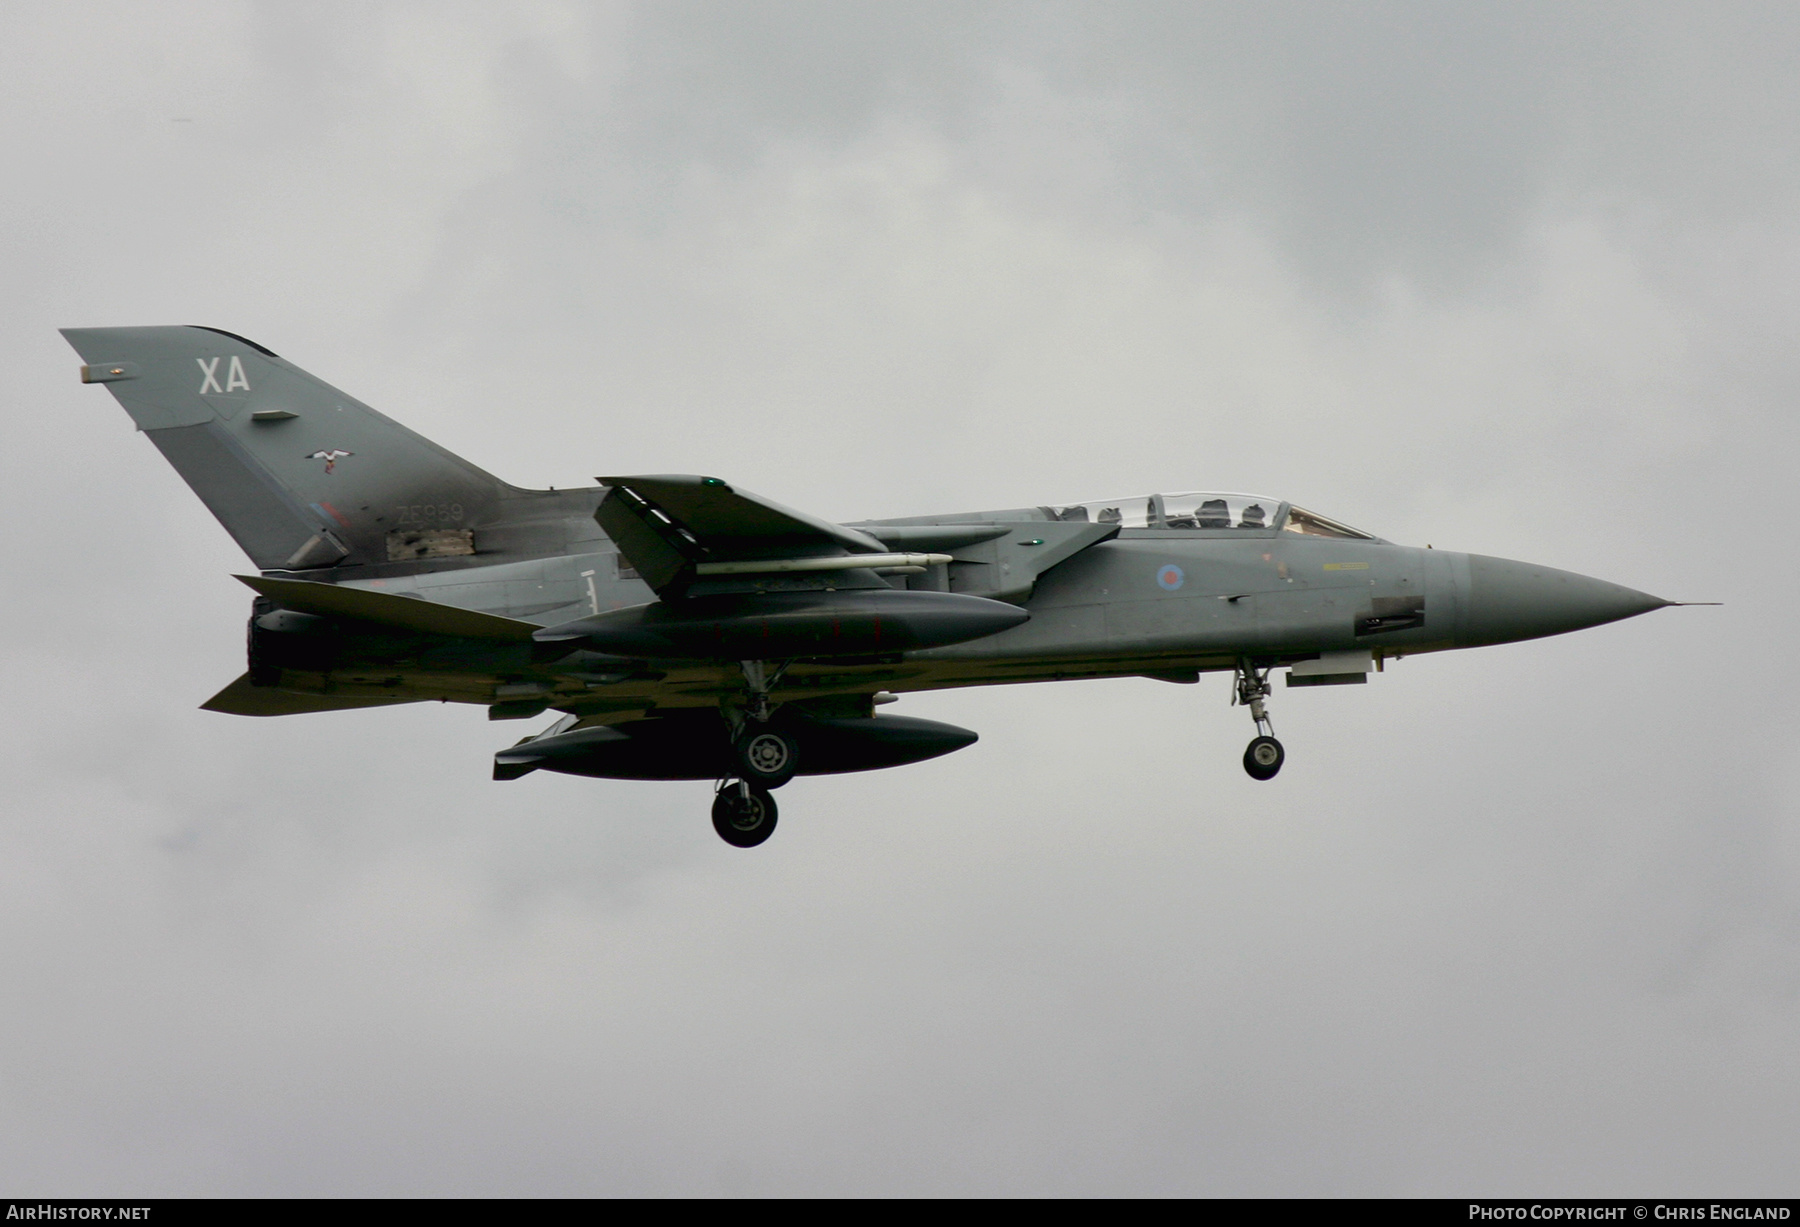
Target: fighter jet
[(683, 628)]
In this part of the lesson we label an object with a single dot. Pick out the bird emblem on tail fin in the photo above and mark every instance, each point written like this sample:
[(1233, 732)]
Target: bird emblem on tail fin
[(330, 458)]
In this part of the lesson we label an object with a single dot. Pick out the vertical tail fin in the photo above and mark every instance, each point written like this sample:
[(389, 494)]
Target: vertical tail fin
[(301, 475)]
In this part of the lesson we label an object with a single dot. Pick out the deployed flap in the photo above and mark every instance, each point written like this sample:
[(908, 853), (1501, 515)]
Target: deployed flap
[(388, 609), (663, 524), (242, 699)]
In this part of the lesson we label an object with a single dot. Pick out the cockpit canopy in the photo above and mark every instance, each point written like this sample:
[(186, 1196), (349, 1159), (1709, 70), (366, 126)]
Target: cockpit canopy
[(1208, 509)]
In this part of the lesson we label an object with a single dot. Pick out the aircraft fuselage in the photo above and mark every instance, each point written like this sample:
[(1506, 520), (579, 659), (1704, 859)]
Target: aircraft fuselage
[(1145, 603)]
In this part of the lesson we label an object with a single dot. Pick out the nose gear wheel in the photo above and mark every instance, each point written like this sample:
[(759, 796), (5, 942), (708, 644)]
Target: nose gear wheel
[(1264, 758)]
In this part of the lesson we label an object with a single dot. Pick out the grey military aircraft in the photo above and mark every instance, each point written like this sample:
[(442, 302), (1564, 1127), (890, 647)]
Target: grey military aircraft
[(685, 628)]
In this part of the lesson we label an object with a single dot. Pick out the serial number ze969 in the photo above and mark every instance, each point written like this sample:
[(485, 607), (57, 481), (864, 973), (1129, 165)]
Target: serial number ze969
[(430, 513)]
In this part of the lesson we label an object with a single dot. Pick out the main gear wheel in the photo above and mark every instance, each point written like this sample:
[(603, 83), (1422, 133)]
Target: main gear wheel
[(743, 814), (765, 756)]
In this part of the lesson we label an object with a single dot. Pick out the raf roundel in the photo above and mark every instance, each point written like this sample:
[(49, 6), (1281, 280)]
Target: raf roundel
[(1170, 577)]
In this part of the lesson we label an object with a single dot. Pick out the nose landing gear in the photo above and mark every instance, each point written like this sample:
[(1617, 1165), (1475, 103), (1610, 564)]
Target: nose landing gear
[(1263, 758)]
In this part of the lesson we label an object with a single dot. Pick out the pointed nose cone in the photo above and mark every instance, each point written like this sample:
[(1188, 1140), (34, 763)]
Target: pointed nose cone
[(1508, 600)]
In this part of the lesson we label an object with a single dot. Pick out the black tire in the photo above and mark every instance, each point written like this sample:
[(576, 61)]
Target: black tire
[(744, 815), (1264, 758), (766, 756)]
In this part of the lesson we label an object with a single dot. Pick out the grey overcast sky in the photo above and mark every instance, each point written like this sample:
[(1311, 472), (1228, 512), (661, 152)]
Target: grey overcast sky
[(1515, 278)]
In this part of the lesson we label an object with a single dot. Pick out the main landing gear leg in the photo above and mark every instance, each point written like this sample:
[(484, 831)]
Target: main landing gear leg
[(766, 757), (1265, 755)]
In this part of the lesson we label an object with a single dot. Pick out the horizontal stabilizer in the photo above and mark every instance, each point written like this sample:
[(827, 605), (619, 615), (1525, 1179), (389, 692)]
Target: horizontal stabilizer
[(388, 609), (242, 699)]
